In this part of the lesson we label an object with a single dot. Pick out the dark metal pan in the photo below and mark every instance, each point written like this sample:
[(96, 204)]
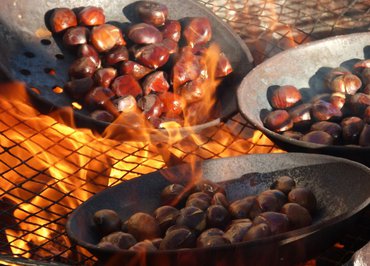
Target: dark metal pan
[(28, 49), (304, 67), (341, 187)]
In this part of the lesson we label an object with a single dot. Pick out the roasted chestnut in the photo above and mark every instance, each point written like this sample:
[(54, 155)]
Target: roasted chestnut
[(104, 76), (75, 36), (347, 83), (143, 33), (125, 104), (143, 226), (78, 88), (197, 202), (241, 208), (257, 231), (173, 194), (359, 102), (87, 50), (285, 96), (171, 46), (152, 55), (277, 222), (211, 232), (208, 187), (365, 136), (331, 128), (351, 129), (323, 111), (304, 197), (198, 31), (237, 231), (107, 221), (217, 216), (284, 183), (186, 68), (193, 218), (367, 115), (220, 199), (212, 241), (173, 104), (200, 195), (266, 202), (338, 99), (293, 134), (223, 67), (179, 238), (152, 12), (82, 67), (105, 37), (171, 30), (120, 239), (135, 69), (151, 105), (143, 247), (126, 85), (298, 216), (155, 82), (99, 97), (166, 216), (278, 120), (301, 113), (318, 137), (91, 16), (157, 242), (116, 55), (61, 19)]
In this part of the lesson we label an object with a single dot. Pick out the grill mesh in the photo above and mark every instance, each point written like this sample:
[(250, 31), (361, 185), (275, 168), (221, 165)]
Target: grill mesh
[(30, 190)]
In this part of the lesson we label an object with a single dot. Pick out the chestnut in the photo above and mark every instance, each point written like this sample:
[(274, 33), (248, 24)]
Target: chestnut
[(143, 226), (318, 137), (125, 104), (81, 68), (212, 241), (351, 129), (166, 216), (186, 68), (171, 30), (75, 36), (193, 91), (322, 111), (104, 76), (87, 50), (61, 19), (91, 16), (200, 195), (236, 232), (304, 197), (135, 69), (284, 183), (257, 231), (107, 245), (107, 221), (359, 102), (151, 106), (99, 97), (293, 134), (285, 96), (197, 202), (367, 115), (175, 227), (301, 113), (143, 246), (279, 195), (152, 55), (102, 115), (193, 218), (126, 85), (365, 136), (157, 242), (208, 187), (277, 222), (347, 83), (338, 99), (120, 239), (217, 216), (298, 216), (333, 129), (278, 121), (152, 12), (173, 194), (197, 31), (266, 202), (210, 233), (179, 238), (143, 33), (155, 82), (220, 199), (241, 208), (173, 104), (78, 88), (104, 37), (366, 90), (116, 55), (223, 67), (171, 46)]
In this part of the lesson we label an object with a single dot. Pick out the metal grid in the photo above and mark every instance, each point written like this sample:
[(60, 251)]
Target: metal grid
[(32, 187)]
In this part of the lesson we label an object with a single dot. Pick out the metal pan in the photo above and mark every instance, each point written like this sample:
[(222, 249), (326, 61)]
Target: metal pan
[(28, 49), (341, 187), (304, 67)]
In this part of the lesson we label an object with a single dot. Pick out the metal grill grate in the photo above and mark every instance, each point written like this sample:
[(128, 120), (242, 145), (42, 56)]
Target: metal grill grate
[(42, 195)]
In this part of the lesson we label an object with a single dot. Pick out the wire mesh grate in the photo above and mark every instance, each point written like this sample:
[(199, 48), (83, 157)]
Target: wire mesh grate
[(36, 196)]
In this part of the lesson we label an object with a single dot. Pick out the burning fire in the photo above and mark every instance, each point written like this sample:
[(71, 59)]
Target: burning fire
[(48, 167)]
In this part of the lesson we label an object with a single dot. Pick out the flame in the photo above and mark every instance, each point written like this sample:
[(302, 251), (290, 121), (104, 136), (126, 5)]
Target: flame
[(48, 167)]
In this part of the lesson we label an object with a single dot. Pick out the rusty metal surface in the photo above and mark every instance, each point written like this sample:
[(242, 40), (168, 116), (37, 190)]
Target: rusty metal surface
[(267, 27)]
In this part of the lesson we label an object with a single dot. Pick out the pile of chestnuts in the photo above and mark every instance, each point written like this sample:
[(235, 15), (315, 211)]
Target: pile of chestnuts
[(156, 66), (341, 117), (202, 216)]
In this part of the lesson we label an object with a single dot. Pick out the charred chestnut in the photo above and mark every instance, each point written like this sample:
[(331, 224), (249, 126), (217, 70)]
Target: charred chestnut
[(61, 19), (143, 33), (278, 121), (152, 12), (217, 216), (91, 16), (120, 239), (304, 197), (166, 216), (220, 199), (257, 231), (318, 137), (179, 238), (284, 183), (143, 226), (75, 36), (107, 221), (298, 216), (105, 37), (285, 97), (173, 194), (193, 218)]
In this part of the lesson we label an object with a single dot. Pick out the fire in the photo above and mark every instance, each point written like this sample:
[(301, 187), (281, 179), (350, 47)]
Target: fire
[(48, 167)]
